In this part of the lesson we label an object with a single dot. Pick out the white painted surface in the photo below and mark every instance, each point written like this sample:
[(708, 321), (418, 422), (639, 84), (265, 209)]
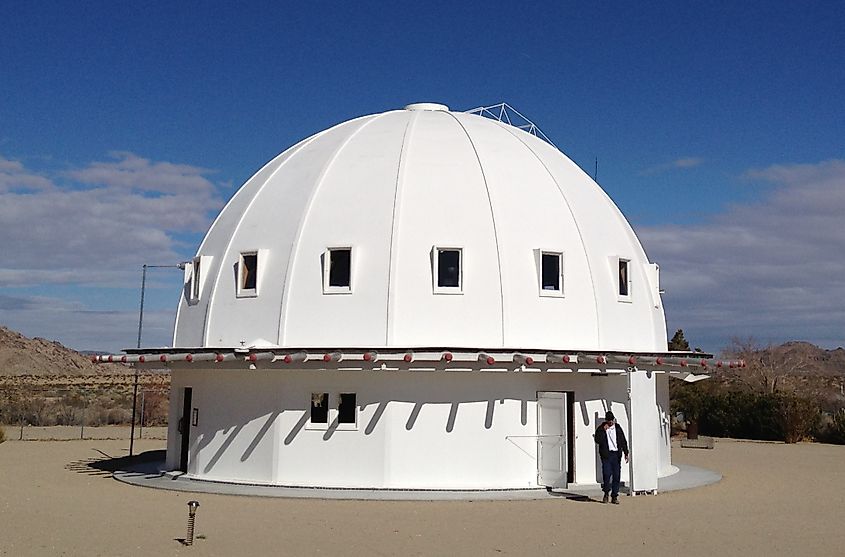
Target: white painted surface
[(551, 439), (422, 430), (393, 185), (645, 437)]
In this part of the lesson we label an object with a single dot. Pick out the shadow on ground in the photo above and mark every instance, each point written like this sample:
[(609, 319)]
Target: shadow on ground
[(106, 465)]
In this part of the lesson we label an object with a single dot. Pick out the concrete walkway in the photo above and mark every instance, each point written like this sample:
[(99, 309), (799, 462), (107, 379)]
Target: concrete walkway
[(151, 474)]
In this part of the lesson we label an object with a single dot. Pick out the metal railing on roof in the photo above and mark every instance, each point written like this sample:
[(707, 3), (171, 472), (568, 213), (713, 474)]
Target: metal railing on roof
[(503, 112)]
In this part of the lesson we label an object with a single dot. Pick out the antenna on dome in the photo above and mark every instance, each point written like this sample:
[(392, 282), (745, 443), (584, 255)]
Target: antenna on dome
[(596, 171), (503, 112)]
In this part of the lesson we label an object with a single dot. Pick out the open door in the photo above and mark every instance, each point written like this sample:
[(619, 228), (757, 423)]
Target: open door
[(185, 428), (552, 452)]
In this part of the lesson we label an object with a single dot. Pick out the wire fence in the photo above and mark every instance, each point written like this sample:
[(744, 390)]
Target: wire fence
[(84, 406)]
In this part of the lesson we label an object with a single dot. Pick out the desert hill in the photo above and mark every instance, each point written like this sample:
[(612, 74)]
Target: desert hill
[(20, 355)]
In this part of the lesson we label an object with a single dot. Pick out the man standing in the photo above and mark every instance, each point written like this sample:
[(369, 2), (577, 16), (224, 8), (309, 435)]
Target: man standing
[(612, 445)]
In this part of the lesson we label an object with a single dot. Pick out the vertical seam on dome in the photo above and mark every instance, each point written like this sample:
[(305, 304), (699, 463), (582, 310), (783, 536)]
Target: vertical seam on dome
[(208, 310), (493, 220), (388, 336), (574, 220), (283, 312)]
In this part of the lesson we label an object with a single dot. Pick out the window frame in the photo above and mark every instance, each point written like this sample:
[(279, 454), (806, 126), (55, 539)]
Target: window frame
[(327, 267), (333, 399), (348, 426), (319, 425), (559, 292), (435, 271), (241, 291), (626, 297)]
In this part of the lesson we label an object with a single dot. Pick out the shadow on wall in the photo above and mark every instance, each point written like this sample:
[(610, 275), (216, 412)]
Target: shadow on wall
[(230, 432)]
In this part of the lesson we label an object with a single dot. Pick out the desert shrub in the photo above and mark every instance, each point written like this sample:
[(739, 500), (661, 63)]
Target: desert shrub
[(2, 434), (748, 415), (832, 428), (797, 416)]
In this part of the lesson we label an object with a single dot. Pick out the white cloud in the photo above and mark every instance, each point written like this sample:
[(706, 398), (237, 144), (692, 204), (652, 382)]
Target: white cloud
[(129, 211), (772, 269), (14, 177), (73, 324), (683, 163)]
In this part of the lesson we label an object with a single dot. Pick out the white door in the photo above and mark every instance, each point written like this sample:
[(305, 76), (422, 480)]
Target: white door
[(551, 439)]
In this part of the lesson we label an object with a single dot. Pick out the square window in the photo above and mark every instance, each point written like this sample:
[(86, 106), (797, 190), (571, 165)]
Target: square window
[(551, 273), (448, 277), (320, 408), (347, 409), (248, 274), (337, 271), (624, 278)]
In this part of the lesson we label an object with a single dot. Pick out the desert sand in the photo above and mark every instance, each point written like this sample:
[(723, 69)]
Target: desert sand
[(775, 499)]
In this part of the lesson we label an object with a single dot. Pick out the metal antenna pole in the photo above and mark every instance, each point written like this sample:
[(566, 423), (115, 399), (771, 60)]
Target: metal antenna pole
[(631, 490), (135, 382)]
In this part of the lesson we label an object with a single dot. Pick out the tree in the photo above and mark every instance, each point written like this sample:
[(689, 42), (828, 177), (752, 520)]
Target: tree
[(678, 341), (765, 368)]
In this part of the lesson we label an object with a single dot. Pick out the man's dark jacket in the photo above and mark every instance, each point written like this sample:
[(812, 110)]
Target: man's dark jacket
[(601, 439)]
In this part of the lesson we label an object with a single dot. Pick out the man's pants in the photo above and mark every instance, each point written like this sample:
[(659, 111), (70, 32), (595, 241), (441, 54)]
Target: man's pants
[(611, 467)]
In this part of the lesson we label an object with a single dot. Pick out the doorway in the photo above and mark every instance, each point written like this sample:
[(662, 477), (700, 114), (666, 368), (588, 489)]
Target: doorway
[(185, 428), (553, 452)]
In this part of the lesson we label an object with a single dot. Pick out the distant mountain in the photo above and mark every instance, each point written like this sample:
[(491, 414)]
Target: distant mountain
[(20, 355)]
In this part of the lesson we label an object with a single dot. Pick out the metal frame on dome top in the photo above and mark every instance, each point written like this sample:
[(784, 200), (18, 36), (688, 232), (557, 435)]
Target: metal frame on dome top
[(503, 112)]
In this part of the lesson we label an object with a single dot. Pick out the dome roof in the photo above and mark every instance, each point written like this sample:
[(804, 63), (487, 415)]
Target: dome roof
[(422, 228)]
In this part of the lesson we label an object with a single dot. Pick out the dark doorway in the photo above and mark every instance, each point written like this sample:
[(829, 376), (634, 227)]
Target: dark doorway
[(570, 423), (185, 428)]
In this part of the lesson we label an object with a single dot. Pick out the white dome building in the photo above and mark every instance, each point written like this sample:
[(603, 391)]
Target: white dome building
[(418, 299)]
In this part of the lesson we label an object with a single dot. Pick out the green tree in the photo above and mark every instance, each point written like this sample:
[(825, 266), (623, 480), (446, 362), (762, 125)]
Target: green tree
[(678, 341)]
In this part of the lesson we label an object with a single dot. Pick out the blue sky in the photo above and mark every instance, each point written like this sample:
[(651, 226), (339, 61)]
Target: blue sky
[(718, 129)]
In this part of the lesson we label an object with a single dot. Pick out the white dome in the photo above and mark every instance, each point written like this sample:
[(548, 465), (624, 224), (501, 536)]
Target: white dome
[(393, 188)]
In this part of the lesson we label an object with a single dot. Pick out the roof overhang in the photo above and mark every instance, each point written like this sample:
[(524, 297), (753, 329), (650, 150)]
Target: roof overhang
[(682, 365)]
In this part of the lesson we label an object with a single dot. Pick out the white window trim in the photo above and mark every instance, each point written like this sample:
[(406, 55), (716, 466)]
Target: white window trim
[(333, 415), (194, 290), (260, 264), (327, 263), (435, 271), (625, 298), (550, 293)]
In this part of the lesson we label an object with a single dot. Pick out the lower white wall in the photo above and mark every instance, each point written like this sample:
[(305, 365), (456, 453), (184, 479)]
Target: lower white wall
[(435, 430)]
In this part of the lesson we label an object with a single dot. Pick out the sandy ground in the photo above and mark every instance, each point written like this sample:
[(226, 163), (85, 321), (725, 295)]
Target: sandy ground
[(774, 499)]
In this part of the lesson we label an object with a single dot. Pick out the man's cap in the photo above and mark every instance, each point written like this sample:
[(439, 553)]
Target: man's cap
[(608, 416)]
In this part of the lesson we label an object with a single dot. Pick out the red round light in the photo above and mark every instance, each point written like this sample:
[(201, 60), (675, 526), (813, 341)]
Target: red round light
[(529, 361), (142, 359), (219, 357), (683, 363), (447, 356), (189, 358), (490, 360), (110, 358), (601, 360), (719, 363), (632, 361), (288, 358), (703, 363), (566, 358), (253, 358), (368, 357), (408, 357), (659, 361), (123, 359), (327, 358), (163, 358)]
